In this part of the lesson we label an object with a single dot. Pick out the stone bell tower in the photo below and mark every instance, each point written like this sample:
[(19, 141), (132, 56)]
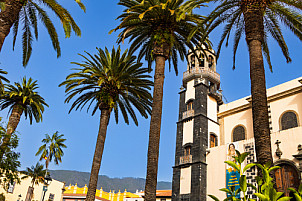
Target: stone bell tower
[(197, 126)]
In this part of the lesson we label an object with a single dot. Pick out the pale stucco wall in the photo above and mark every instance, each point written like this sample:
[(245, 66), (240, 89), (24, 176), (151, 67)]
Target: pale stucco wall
[(212, 108), (185, 180), (281, 98), (21, 189), (243, 118), (190, 92), (213, 128), (188, 132), (290, 139), (278, 107)]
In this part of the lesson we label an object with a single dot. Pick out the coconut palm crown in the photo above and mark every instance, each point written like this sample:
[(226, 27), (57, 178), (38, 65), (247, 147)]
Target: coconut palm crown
[(28, 13), (151, 24), (112, 81), (25, 97), (21, 98), (52, 148), (36, 173)]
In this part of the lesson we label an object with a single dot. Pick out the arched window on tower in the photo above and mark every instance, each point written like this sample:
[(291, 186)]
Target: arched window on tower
[(211, 61), (201, 60), (192, 58), (190, 105), (288, 120), (238, 133), (213, 140), (187, 151)]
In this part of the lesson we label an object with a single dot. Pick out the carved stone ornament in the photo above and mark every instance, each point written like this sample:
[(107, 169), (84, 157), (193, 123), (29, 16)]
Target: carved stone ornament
[(278, 151)]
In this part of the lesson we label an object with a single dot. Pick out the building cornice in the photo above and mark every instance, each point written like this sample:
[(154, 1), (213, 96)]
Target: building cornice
[(271, 98)]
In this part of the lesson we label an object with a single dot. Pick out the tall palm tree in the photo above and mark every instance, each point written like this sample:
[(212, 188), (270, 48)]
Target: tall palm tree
[(108, 81), (257, 19), (27, 12), (21, 98), (36, 173), (52, 148), (159, 29)]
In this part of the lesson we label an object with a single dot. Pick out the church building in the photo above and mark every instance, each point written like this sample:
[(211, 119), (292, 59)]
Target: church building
[(208, 132)]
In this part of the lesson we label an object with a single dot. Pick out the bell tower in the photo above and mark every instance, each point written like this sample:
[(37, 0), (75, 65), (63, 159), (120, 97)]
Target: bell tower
[(197, 126)]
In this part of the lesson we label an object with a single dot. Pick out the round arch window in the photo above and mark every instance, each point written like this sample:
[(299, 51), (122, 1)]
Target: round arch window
[(289, 120), (201, 62), (238, 133), (213, 140)]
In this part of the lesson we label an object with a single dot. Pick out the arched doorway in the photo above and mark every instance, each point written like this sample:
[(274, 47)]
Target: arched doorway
[(287, 176)]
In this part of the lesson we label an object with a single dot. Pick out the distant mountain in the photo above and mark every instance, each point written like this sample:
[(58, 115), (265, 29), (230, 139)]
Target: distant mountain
[(107, 183)]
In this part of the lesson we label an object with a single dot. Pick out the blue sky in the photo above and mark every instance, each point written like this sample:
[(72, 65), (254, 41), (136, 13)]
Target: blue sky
[(126, 145)]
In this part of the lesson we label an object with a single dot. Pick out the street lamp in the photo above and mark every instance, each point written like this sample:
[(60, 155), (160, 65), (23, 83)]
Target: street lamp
[(47, 181)]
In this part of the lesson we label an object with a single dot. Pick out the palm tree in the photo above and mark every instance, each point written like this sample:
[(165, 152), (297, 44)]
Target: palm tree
[(159, 29), (21, 98), (27, 12), (257, 19), (36, 173), (108, 82), (52, 148)]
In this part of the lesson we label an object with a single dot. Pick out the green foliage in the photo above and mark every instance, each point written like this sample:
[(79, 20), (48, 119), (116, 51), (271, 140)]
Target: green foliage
[(230, 13), (265, 190), (52, 148), (26, 97), (10, 162), (297, 193), (2, 78), (29, 15), (113, 81), (36, 173), (82, 6), (151, 24)]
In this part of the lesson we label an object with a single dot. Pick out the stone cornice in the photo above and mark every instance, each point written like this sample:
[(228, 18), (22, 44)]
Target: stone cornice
[(271, 98)]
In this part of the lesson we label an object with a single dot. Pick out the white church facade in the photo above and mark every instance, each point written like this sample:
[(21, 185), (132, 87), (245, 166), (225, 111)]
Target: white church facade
[(207, 129)]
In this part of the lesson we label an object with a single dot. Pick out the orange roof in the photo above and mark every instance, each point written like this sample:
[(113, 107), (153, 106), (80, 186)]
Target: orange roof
[(161, 193), (71, 195), (164, 193)]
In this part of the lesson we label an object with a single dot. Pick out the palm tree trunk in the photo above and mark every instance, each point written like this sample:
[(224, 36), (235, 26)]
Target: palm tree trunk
[(8, 17), (155, 125), (13, 122), (98, 153), (254, 30)]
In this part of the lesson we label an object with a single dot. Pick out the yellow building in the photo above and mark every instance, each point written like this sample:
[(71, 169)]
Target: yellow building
[(22, 191), (77, 193)]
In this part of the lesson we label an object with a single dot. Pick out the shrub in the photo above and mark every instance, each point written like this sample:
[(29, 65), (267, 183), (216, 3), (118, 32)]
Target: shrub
[(265, 190)]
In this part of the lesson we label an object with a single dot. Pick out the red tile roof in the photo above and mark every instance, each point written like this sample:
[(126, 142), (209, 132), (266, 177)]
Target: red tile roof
[(162, 193)]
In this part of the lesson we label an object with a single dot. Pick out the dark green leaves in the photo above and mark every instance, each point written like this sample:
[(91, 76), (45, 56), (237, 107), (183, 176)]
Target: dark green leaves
[(112, 80), (29, 15), (26, 97), (159, 23)]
